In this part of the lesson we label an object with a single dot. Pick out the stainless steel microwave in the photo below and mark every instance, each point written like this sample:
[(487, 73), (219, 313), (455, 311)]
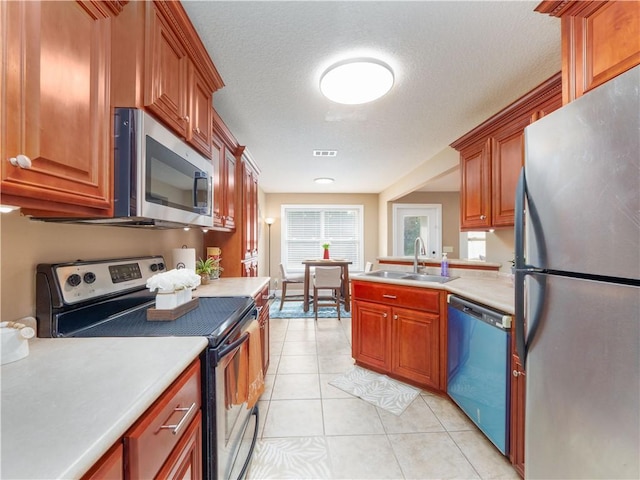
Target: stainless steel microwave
[(158, 178)]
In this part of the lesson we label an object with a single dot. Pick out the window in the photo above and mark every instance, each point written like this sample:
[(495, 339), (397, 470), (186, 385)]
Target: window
[(306, 227), (476, 245)]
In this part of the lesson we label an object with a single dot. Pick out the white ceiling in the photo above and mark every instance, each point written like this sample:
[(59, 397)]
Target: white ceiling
[(456, 63)]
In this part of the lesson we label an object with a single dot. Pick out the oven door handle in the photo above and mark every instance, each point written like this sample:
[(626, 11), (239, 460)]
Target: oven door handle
[(232, 346)]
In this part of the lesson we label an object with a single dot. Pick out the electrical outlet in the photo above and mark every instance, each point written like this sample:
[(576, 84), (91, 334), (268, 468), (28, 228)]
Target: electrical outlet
[(447, 249)]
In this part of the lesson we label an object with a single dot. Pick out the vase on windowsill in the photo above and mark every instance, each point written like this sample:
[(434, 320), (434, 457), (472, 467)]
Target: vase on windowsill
[(326, 254)]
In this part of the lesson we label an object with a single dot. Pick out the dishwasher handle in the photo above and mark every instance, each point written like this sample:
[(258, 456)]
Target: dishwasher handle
[(480, 312)]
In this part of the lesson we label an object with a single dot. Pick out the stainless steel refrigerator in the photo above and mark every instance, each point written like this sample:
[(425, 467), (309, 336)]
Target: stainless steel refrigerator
[(578, 286)]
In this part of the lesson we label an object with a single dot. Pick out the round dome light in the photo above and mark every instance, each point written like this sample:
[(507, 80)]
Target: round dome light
[(353, 82), (324, 180)]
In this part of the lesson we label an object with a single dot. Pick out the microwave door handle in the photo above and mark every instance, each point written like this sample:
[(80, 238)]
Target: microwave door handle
[(200, 176)]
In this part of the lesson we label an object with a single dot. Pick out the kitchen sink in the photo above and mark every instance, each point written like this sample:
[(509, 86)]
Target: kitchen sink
[(419, 277), (422, 277), (386, 274)]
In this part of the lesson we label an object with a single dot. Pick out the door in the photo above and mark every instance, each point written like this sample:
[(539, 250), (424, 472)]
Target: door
[(582, 172), (583, 379), (372, 341), (417, 220)]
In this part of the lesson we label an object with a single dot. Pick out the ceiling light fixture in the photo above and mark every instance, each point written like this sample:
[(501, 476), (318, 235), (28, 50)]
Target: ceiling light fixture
[(324, 180), (356, 81)]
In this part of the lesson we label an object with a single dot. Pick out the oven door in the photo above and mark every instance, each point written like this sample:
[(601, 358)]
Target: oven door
[(237, 425)]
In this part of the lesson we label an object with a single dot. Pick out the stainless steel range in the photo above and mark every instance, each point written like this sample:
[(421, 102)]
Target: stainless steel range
[(109, 298)]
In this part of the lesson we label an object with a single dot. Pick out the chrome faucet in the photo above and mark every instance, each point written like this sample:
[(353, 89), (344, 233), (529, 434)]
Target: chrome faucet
[(418, 249)]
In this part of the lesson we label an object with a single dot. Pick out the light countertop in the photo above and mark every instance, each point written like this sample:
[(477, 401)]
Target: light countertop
[(71, 399), (452, 261), (232, 287), (494, 291)]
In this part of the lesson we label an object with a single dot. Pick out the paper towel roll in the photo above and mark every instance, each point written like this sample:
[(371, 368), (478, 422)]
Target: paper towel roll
[(184, 258)]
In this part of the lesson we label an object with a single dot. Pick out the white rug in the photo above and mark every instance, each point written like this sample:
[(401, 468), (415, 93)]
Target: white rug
[(379, 390)]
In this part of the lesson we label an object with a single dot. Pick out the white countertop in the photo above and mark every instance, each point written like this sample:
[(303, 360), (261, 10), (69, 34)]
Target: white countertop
[(71, 399), (452, 261), (232, 287), (493, 291)]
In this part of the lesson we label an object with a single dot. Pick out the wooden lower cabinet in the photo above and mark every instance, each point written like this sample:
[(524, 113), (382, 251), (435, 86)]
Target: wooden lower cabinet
[(110, 466), (185, 461), (414, 346), (262, 302), (518, 391), (397, 331), (371, 335)]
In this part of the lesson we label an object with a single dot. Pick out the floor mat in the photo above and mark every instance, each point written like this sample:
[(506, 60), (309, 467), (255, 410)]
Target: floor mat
[(379, 390), (295, 310)]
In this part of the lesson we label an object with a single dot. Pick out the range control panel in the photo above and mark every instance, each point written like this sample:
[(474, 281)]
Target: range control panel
[(83, 281)]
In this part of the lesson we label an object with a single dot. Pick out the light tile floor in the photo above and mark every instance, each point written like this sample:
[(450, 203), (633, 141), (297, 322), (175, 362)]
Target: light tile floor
[(312, 430)]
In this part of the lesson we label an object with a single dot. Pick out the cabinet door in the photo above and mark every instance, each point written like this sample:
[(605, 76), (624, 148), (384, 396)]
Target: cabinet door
[(507, 159), (185, 461), (166, 73), (218, 161), (55, 106), (600, 41), (518, 391), (230, 191), (475, 192), (371, 342), (415, 346), (199, 133), (109, 467)]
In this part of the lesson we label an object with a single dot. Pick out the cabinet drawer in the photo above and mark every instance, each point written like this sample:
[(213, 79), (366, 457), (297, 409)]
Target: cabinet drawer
[(150, 441), (397, 295)]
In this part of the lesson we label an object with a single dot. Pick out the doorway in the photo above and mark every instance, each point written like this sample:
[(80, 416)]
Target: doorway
[(411, 220)]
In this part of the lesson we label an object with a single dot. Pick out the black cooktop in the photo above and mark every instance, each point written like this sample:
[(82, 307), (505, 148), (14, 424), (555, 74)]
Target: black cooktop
[(214, 318)]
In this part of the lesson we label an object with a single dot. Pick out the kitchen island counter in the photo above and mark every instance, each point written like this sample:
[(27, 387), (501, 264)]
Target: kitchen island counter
[(71, 399)]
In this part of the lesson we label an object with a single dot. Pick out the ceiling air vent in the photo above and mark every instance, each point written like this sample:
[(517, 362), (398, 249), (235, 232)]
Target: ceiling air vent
[(325, 153)]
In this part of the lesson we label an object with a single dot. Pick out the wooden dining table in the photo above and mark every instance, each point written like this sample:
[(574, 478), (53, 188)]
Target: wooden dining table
[(344, 264)]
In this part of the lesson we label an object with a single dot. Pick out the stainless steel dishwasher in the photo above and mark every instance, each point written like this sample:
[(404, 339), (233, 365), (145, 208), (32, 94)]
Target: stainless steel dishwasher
[(478, 341)]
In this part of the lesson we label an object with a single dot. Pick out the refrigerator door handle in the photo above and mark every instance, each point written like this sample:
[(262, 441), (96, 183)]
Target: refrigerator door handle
[(522, 270), (520, 274)]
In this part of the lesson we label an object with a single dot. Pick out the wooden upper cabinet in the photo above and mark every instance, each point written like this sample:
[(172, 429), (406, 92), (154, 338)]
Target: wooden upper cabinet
[(166, 70), (600, 40), (475, 192), (161, 65), (56, 107), (492, 155), (507, 159), (225, 148), (200, 112)]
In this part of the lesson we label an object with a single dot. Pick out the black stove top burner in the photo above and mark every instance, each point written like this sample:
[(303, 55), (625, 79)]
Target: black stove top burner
[(214, 318)]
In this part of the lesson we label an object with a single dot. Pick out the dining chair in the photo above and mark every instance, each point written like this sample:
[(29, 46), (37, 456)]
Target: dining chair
[(327, 278), (288, 278)]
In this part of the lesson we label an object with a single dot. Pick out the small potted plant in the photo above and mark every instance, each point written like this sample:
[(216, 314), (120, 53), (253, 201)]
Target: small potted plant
[(204, 268), (326, 246), (216, 269)]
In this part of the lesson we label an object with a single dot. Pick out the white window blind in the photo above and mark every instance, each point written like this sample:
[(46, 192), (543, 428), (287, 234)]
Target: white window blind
[(306, 227)]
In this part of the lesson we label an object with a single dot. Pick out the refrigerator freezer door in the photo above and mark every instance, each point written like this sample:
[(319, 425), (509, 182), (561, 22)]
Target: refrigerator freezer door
[(583, 179), (583, 380)]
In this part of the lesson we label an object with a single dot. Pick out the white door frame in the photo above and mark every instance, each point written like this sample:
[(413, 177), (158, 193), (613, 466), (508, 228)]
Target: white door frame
[(431, 210)]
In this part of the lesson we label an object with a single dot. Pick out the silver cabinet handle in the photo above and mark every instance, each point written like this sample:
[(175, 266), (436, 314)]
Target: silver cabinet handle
[(395, 317), (516, 373), (186, 118), (196, 130), (389, 296), (21, 161), (176, 428), (384, 315), (483, 217)]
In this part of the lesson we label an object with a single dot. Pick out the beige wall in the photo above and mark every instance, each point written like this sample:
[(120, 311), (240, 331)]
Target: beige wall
[(25, 243), (440, 164), (450, 202), (273, 202), (501, 247)]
